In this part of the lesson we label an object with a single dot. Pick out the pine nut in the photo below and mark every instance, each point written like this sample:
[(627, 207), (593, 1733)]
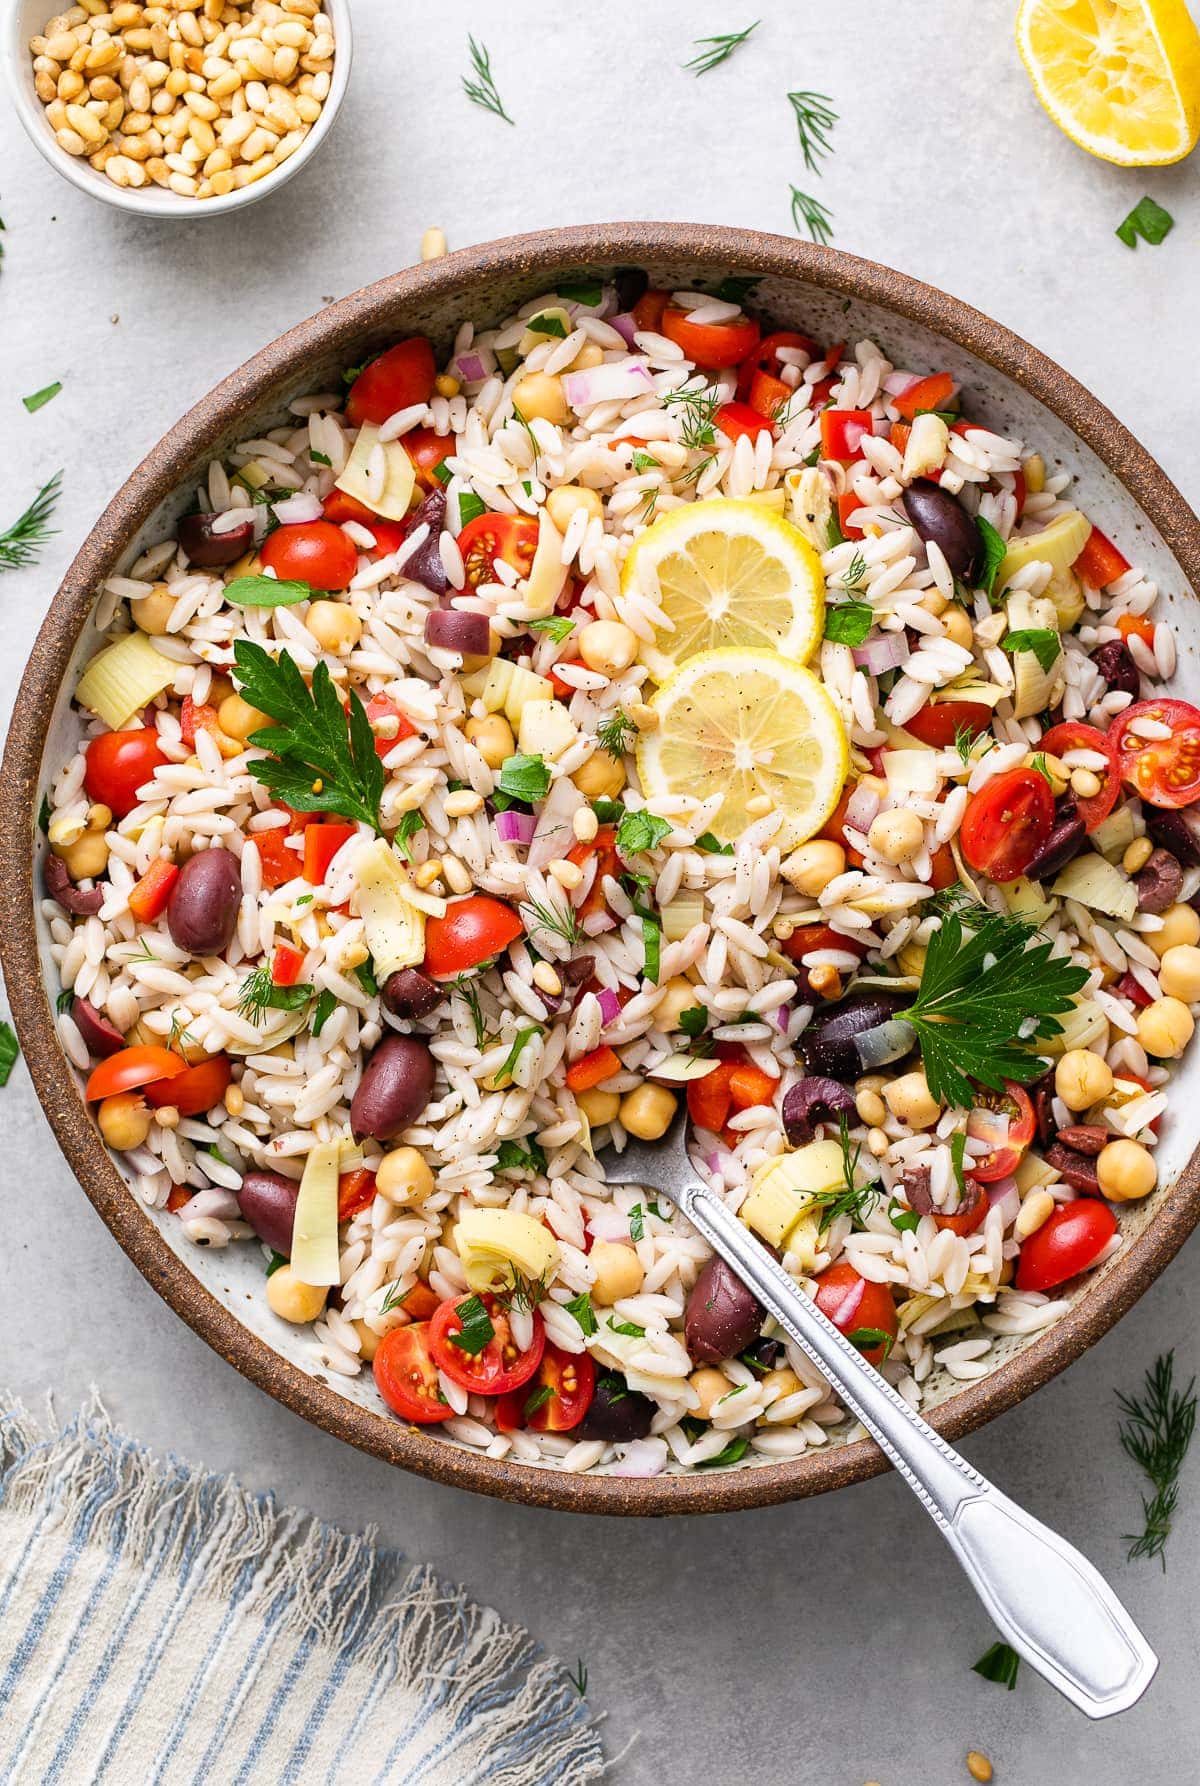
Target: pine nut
[(462, 803), (1033, 1214), (71, 141), (433, 244), (978, 1766)]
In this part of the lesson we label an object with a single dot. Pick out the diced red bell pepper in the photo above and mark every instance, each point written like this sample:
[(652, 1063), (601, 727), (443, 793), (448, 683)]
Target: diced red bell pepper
[(382, 707), (389, 536), (1100, 564), (736, 420), (848, 504), (608, 866), (279, 863), (1135, 992), (321, 845), (148, 899), (178, 1197), (749, 1086), (286, 965), (768, 394), (339, 507), (842, 431), (1137, 626), (196, 717), (562, 689), (593, 1069), (933, 392), (943, 870), (356, 1192), (710, 1100)]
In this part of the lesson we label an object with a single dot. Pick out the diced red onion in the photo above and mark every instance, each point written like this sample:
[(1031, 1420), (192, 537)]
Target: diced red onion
[(883, 651), (643, 1457), (885, 1043), (454, 629), (610, 1005), (853, 433), (896, 383), (713, 1161), (1004, 1196), (625, 325), (596, 923), (299, 508), (783, 1017), (607, 384), (862, 807), (554, 834), (470, 368), (609, 1223), (515, 827)]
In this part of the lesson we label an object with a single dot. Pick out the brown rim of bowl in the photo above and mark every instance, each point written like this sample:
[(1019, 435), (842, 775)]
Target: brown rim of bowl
[(461, 275)]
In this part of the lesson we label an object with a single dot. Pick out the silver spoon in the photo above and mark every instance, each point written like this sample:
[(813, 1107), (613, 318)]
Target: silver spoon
[(1045, 1598)]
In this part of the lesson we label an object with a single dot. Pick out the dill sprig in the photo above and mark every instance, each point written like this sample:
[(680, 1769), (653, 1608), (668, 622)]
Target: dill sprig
[(482, 90), (579, 1680), (815, 118), (561, 921), (533, 440), (616, 733), (852, 1199), (523, 1293), (259, 994), (854, 577), (469, 993), (20, 543), (715, 50), (809, 214), (1156, 1433), (698, 406)]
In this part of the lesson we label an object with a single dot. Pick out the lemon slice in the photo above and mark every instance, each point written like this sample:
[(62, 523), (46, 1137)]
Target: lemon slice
[(1121, 77), (744, 724), (727, 572)]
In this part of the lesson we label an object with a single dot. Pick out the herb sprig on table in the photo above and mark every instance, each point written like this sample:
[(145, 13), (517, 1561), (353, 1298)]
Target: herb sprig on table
[(482, 90), (1157, 1430), (321, 759), (809, 214), (20, 543), (715, 50)]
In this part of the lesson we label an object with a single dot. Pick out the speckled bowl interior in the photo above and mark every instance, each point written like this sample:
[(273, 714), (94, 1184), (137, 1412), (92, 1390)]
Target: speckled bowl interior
[(1007, 384)]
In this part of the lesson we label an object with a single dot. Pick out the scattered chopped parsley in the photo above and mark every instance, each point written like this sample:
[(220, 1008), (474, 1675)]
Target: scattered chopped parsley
[(995, 551), (730, 1454), (274, 1263), (266, 592), (42, 397), (1147, 220), (545, 324), (326, 1005), (365, 975), (10, 1051), (524, 778), (713, 846), (469, 505), (1038, 762), (476, 1330), (630, 1329), (867, 1338), (588, 292), (581, 1308), (556, 625), (319, 458), (525, 1155), (43, 818), (523, 1038), (637, 1223), (608, 812), (641, 831), (538, 1399), (903, 1220), (693, 1021), (848, 623), (1043, 641), (1000, 1664), (644, 461), (259, 994), (64, 1001), (410, 823)]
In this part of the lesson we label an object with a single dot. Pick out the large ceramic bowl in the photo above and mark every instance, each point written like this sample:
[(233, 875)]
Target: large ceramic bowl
[(1010, 386)]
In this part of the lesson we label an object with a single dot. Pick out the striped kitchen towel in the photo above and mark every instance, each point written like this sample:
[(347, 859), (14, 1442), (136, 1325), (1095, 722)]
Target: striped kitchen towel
[(160, 1625)]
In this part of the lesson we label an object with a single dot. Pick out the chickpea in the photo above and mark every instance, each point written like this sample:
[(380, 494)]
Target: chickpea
[(896, 835), (1126, 1171), (293, 1301), (910, 1100), (86, 857), (647, 1111), (237, 718), (600, 1107), (404, 1176), (1180, 924), (601, 778), (492, 737), (151, 612), (676, 997), (590, 354), (608, 646), (1082, 1079), (811, 868), (710, 1385), (784, 1381), (124, 1120), (1165, 1028), (618, 1272), (334, 626), (539, 396), (1179, 975), (562, 503), (957, 627), (368, 1340)]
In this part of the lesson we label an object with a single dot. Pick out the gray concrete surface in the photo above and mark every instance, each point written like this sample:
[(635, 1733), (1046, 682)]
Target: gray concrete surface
[(824, 1644)]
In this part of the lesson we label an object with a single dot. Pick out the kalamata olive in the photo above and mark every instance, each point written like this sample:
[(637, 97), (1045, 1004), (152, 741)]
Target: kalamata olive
[(452, 629), (1086, 1137), (1114, 660), (940, 517), (62, 888), (1076, 1169), (828, 1043), (268, 1202), (425, 566), (202, 911), (1066, 839), (1041, 1096), (578, 969), (811, 1101), (394, 1089), (1174, 832), (763, 1354), (1158, 881), (617, 1412), (100, 1037), (208, 549), (410, 993), (631, 284), (722, 1317), (918, 1188)]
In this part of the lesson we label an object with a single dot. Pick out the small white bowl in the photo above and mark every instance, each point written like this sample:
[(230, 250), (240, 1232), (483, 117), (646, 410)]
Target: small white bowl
[(27, 18)]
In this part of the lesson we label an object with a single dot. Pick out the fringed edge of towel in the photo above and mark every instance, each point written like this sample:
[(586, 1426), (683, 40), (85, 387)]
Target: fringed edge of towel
[(340, 1587)]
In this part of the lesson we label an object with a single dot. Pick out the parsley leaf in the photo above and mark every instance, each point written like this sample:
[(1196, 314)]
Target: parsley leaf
[(1043, 641), (995, 551), (588, 292), (1147, 220), (903, 1220), (317, 762), (730, 1454), (524, 778), (538, 1399), (630, 1329), (469, 505), (260, 994), (557, 625), (581, 1307), (545, 324), (640, 831), (10, 1051), (1000, 1663), (266, 592), (410, 823), (713, 846), (693, 1021), (525, 1155), (867, 1338), (848, 623), (325, 1007), (524, 1037), (637, 1223), (476, 1330), (42, 397)]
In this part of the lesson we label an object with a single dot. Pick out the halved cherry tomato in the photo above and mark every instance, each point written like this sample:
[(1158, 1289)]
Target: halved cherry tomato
[(933, 392), (1070, 1241), (806, 939), (406, 1376), (1137, 626), (842, 431), (427, 449), (1164, 771), (737, 421), (313, 552), (356, 1192), (593, 1069), (1134, 991), (471, 931), (1007, 822), (648, 311), (338, 506), (148, 899), (195, 1090), (321, 845), (1100, 564), (196, 717), (608, 866), (489, 537), (389, 537), (712, 346), (835, 827), (750, 1087), (898, 434), (1074, 735), (382, 707), (557, 1398), (401, 376), (939, 724), (287, 965), (279, 863), (500, 1366), (1015, 1103), (420, 1302), (969, 1214), (857, 1306), (710, 1100), (769, 395), (118, 764), (133, 1067)]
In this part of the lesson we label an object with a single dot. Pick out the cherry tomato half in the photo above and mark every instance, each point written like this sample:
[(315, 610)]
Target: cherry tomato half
[(939, 725), (118, 764), (557, 1398), (381, 711), (500, 1366), (712, 346), (489, 537), (399, 377), (835, 827), (313, 552), (406, 1376), (858, 1307), (1069, 1242), (1007, 822), (1164, 771), (1014, 1102), (427, 449), (356, 1192), (338, 506), (133, 1067), (1093, 809), (195, 1090), (472, 930)]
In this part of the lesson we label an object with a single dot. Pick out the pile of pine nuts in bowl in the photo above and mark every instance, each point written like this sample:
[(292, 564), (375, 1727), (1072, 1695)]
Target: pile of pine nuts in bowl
[(182, 107)]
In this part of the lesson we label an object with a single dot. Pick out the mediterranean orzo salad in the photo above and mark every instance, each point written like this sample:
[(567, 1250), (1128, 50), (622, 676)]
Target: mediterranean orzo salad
[(647, 705)]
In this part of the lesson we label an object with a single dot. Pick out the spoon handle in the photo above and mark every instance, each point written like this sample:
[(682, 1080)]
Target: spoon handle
[(1046, 1599)]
